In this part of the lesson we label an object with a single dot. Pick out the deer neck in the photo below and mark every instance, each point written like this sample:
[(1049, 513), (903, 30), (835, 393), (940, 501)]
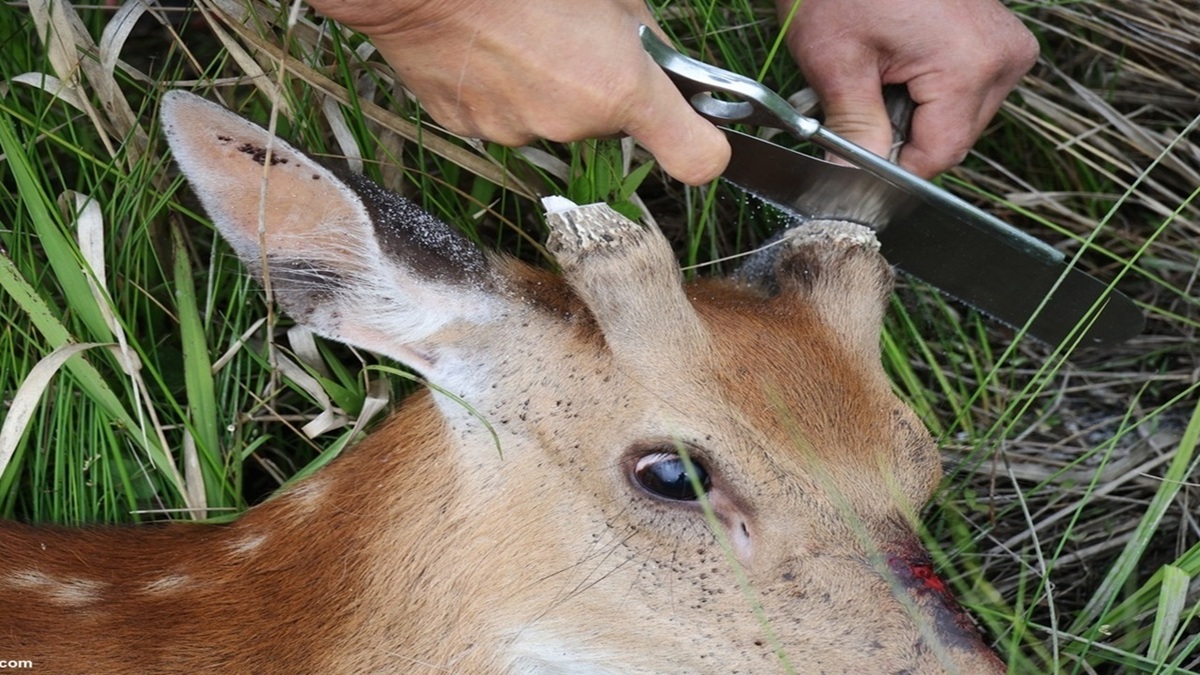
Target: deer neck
[(270, 591)]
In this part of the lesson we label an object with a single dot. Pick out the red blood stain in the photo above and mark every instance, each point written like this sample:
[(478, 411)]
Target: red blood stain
[(924, 572), (914, 571)]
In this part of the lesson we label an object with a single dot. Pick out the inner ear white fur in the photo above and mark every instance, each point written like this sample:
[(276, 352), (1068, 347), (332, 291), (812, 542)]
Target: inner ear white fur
[(351, 261)]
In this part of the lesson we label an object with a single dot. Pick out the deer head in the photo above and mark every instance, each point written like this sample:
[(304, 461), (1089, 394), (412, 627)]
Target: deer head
[(704, 477)]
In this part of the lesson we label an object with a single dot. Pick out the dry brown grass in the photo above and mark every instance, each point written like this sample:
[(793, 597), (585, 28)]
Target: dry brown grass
[(1101, 142)]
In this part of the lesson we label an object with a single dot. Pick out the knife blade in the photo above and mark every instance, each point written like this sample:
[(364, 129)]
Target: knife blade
[(1003, 277)]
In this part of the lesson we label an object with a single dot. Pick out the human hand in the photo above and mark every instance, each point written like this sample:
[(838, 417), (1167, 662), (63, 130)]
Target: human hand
[(959, 59), (515, 71)]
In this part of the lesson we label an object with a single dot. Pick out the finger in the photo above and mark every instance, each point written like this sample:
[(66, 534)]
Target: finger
[(686, 145), (855, 111), (942, 134), (947, 122)]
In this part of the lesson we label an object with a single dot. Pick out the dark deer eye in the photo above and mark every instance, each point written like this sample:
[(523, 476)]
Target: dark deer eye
[(665, 475)]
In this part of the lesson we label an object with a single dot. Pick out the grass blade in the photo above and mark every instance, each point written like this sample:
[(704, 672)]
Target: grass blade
[(1172, 599)]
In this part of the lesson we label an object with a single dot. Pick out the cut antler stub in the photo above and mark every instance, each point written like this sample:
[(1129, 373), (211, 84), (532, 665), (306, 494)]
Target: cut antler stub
[(579, 230)]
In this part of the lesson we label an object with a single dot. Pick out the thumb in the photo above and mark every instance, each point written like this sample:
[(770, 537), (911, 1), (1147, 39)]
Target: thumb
[(686, 145)]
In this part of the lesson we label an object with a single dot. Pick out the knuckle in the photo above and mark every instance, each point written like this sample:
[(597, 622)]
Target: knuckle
[(1027, 51), (1015, 54)]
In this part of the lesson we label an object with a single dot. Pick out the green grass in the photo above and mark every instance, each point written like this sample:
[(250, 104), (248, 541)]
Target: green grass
[(1064, 521)]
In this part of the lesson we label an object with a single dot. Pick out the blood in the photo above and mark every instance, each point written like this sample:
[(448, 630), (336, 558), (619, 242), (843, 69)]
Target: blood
[(914, 570), (924, 572)]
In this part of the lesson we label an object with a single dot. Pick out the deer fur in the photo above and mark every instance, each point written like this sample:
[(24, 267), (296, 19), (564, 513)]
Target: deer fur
[(429, 549)]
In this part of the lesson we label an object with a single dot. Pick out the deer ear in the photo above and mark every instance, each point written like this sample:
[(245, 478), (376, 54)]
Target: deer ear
[(349, 259)]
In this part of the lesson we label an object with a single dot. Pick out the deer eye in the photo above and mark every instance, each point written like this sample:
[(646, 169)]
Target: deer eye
[(664, 474)]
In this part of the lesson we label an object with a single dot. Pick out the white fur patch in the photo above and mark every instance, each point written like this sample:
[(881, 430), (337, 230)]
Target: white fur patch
[(307, 495), (247, 544), (167, 584), (538, 653), (71, 592)]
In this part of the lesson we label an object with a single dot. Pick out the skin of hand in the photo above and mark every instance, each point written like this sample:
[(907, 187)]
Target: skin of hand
[(566, 70), (560, 70), (958, 58)]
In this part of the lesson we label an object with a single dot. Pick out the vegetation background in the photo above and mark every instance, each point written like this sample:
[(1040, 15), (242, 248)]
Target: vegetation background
[(143, 376)]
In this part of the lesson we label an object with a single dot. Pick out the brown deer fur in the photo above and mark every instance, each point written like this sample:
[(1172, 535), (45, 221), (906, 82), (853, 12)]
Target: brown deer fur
[(427, 548)]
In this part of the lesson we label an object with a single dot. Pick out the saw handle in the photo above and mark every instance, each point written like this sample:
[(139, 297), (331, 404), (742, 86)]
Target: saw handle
[(900, 107), (751, 103)]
